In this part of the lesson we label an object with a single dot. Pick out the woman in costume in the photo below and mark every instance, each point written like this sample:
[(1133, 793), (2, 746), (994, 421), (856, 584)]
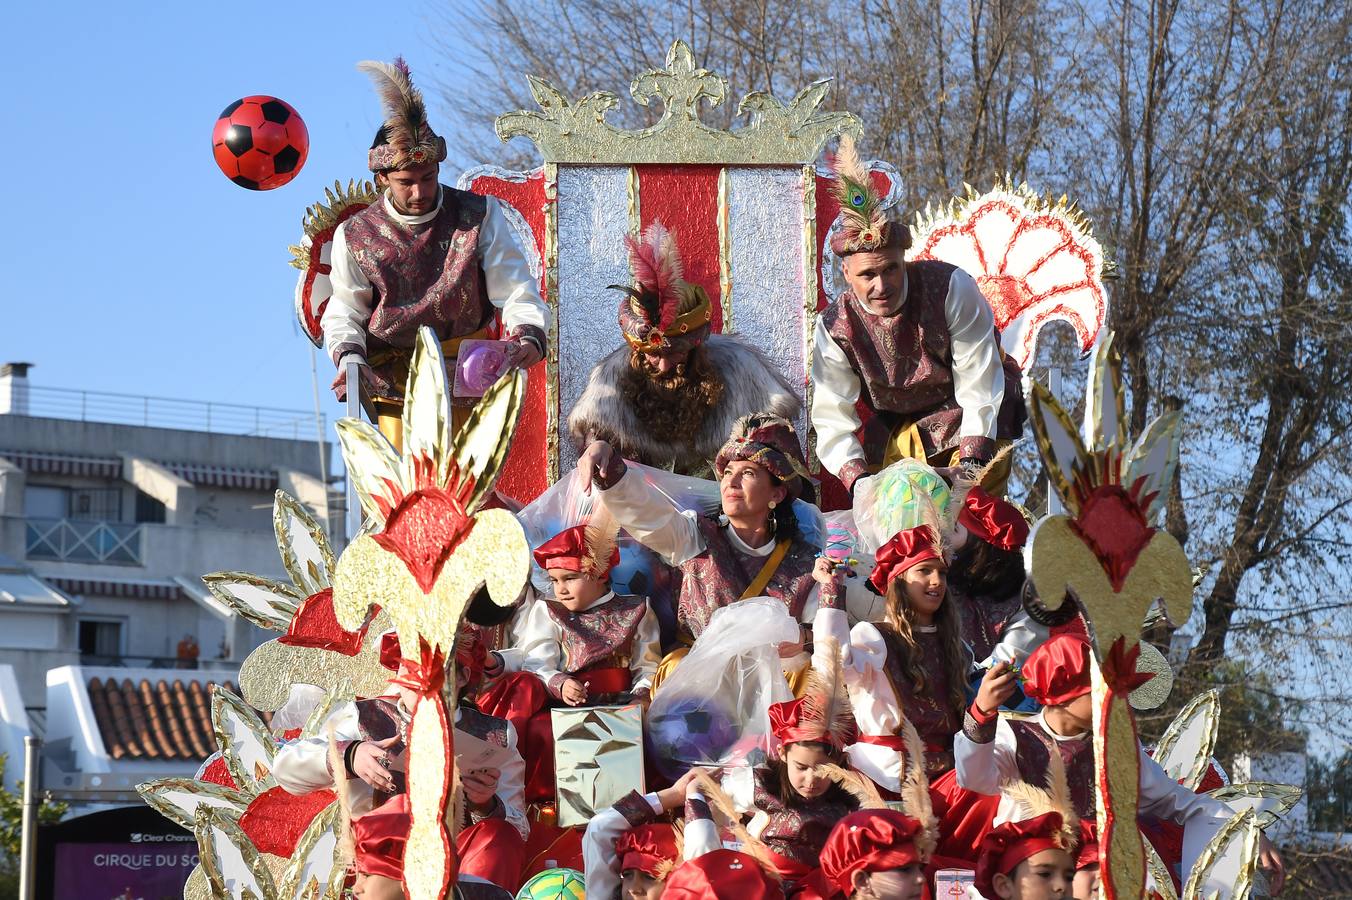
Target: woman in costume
[(755, 548)]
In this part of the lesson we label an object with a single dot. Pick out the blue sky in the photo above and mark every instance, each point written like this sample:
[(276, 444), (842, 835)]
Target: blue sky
[(135, 265)]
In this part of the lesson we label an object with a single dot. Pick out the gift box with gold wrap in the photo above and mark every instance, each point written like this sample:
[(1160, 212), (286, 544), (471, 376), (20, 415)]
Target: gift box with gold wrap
[(598, 758)]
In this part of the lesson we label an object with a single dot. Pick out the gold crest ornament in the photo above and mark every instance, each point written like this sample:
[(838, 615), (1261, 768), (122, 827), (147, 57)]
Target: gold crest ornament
[(313, 649), (568, 131), (431, 548), (1108, 554)]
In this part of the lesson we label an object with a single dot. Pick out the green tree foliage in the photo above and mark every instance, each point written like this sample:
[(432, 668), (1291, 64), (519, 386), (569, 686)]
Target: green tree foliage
[(11, 830)]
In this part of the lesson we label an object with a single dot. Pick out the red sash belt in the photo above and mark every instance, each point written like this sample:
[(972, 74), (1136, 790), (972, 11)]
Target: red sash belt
[(938, 758), (613, 680)]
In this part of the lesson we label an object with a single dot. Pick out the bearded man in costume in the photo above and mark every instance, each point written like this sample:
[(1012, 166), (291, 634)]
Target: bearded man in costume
[(914, 343), (670, 397), (423, 254)]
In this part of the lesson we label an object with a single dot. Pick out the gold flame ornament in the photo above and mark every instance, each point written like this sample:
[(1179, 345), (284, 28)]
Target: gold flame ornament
[(1110, 556), (431, 548)]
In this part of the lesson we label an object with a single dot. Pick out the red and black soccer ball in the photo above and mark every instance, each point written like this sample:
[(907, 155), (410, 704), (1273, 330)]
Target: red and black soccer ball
[(260, 142)]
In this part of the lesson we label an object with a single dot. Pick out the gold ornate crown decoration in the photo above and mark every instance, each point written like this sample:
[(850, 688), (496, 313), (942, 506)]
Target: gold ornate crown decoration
[(577, 132)]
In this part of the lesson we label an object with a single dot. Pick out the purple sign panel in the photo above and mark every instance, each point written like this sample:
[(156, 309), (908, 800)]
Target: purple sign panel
[(124, 871)]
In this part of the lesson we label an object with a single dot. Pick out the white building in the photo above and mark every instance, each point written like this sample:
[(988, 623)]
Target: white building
[(113, 507)]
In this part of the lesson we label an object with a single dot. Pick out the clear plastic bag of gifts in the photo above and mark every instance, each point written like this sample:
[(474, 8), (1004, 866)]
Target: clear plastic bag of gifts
[(598, 758), (712, 710)]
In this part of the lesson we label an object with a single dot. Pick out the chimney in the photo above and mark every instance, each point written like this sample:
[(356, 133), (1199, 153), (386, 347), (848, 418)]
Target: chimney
[(14, 388)]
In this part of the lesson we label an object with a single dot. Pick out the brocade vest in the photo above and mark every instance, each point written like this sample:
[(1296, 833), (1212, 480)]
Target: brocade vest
[(928, 709), (717, 577), (426, 275), (797, 832), (984, 619), (905, 365), (1033, 752), (600, 637)]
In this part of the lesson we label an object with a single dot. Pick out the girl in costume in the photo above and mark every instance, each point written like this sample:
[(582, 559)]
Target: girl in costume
[(800, 794), (583, 646), (911, 666), (755, 548)]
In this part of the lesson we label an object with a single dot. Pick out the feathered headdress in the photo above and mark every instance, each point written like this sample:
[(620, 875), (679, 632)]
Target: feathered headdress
[(663, 308), (591, 547), (405, 140), (823, 712), (864, 224)]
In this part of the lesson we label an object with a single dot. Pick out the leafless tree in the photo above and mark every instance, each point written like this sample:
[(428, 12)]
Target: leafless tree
[(1210, 143)]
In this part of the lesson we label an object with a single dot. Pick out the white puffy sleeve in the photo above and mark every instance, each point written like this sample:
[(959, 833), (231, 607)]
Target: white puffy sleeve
[(349, 308), (512, 786), (539, 644), (652, 519), (978, 373), (507, 278), (647, 651), (835, 389), (984, 766)]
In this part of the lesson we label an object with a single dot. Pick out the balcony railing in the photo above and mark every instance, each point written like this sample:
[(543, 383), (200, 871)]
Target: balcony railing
[(71, 540), (166, 412)]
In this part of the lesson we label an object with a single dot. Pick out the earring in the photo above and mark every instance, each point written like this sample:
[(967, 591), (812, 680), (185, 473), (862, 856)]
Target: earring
[(772, 504)]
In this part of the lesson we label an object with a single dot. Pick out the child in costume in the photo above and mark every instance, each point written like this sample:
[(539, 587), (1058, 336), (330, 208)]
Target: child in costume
[(584, 646), (986, 576), (803, 790), (367, 769), (992, 750), (1029, 860), (912, 666), (630, 849), (877, 853)]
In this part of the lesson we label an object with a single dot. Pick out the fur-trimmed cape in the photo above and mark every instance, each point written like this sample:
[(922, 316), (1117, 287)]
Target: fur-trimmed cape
[(751, 385)]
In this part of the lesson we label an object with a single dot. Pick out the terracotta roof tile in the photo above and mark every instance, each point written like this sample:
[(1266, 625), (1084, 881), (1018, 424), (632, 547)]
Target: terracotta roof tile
[(165, 720)]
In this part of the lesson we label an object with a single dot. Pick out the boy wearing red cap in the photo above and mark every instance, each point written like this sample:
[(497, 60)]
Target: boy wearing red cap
[(992, 750), (586, 645), (876, 854), (371, 736), (986, 579), (1028, 860)]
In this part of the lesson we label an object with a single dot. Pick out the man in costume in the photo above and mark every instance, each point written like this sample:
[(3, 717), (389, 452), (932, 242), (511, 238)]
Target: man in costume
[(671, 396), (423, 254), (914, 343)]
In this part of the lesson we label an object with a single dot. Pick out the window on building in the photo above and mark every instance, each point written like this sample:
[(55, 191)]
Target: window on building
[(96, 504), (148, 509), (42, 501), (100, 637)]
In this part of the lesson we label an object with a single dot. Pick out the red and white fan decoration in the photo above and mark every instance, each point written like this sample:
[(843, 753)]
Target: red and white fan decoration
[(1035, 260)]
